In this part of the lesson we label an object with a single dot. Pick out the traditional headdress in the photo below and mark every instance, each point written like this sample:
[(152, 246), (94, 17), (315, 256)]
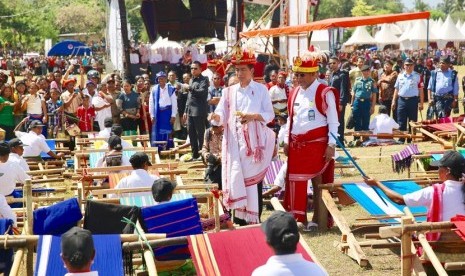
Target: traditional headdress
[(242, 57), (212, 62), (308, 61)]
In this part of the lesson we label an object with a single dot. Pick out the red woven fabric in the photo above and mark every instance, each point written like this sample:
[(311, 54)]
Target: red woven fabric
[(459, 222), (441, 127), (236, 252)]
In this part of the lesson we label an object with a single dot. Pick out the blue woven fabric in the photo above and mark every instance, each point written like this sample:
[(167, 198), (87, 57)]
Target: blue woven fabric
[(108, 259), (179, 218), (401, 187), (6, 255), (58, 218), (95, 156)]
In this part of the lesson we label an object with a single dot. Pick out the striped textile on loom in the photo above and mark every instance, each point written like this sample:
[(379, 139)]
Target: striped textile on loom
[(95, 156), (57, 218), (179, 218), (231, 253), (108, 259), (272, 172), (370, 201), (147, 200)]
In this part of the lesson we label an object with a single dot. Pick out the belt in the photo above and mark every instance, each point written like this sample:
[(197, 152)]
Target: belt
[(406, 98), (164, 107), (444, 96), (362, 99)]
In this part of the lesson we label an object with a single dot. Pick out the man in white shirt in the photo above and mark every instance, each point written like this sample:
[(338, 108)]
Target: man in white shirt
[(282, 235), (106, 132), (139, 177), (248, 144), (36, 142), (117, 130), (10, 173), (16, 154), (309, 145), (382, 123), (163, 107), (278, 94)]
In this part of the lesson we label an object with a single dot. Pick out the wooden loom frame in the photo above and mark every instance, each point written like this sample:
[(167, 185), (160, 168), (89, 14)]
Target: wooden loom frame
[(349, 244), (436, 136), (410, 262)]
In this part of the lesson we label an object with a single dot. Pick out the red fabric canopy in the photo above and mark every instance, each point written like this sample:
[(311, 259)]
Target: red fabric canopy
[(344, 22)]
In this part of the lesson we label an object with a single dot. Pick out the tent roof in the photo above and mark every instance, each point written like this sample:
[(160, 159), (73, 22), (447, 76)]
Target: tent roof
[(418, 32), (344, 22), (69, 47), (449, 31), (320, 35), (386, 36), (360, 37)]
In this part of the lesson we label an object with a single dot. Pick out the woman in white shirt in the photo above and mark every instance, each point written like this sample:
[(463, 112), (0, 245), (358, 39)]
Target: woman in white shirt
[(451, 191), (35, 106)]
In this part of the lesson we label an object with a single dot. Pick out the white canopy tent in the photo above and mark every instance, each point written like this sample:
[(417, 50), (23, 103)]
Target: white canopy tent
[(385, 36), (449, 32), (320, 39), (416, 37), (360, 37), (458, 24)]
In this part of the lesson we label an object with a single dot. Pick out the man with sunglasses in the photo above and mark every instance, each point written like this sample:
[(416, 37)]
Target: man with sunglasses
[(408, 96), (309, 145), (196, 109)]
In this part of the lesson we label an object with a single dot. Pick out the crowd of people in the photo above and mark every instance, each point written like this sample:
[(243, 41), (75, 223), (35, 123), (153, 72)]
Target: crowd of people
[(232, 122)]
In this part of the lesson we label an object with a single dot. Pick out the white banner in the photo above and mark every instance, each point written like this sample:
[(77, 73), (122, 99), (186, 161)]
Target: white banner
[(115, 42)]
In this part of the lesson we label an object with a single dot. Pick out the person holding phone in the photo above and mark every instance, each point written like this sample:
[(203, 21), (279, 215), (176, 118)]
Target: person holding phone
[(71, 98), (34, 103)]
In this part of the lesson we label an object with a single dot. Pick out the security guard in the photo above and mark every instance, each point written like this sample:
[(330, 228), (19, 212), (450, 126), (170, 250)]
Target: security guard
[(408, 96), (443, 90), (363, 99)]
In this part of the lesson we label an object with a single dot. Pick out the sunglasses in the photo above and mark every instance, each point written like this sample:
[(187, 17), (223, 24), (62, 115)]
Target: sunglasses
[(194, 68), (300, 75)]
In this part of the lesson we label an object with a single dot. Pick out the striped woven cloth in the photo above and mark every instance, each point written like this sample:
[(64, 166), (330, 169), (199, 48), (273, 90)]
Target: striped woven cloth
[(147, 200)]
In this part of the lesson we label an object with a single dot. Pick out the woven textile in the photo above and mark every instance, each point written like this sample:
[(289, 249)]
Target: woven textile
[(370, 201), (403, 159), (58, 218), (179, 218), (147, 200), (105, 218), (108, 259), (232, 253)]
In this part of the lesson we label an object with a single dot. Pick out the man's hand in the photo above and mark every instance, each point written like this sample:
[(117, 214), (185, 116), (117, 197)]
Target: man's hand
[(60, 155), (286, 149), (372, 110), (431, 102), (137, 116), (247, 117), (215, 117), (184, 118), (420, 106), (44, 120), (154, 121), (172, 120), (454, 104), (329, 153), (393, 106)]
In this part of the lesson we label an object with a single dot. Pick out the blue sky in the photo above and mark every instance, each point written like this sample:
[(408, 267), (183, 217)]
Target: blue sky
[(409, 4)]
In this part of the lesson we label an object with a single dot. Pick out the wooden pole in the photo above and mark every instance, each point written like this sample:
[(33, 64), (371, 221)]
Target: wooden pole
[(406, 249), (125, 39), (19, 255), (30, 249)]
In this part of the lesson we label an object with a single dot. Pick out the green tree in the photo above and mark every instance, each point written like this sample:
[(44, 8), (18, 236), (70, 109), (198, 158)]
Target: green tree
[(447, 6), (420, 5), (361, 8), (436, 14), (254, 11), (335, 8)]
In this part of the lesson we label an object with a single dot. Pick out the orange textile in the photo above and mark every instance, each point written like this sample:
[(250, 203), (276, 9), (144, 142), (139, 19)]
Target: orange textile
[(343, 22)]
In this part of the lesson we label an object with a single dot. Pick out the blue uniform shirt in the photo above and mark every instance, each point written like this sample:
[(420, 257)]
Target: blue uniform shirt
[(363, 88), (408, 85), (444, 83)]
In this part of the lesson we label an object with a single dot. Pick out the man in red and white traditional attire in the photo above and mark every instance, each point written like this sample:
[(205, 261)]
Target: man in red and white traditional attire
[(279, 93), (247, 148), (310, 148)]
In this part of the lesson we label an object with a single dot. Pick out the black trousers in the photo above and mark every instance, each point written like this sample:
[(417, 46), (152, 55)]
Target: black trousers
[(342, 123), (242, 222), (129, 123), (196, 130)]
